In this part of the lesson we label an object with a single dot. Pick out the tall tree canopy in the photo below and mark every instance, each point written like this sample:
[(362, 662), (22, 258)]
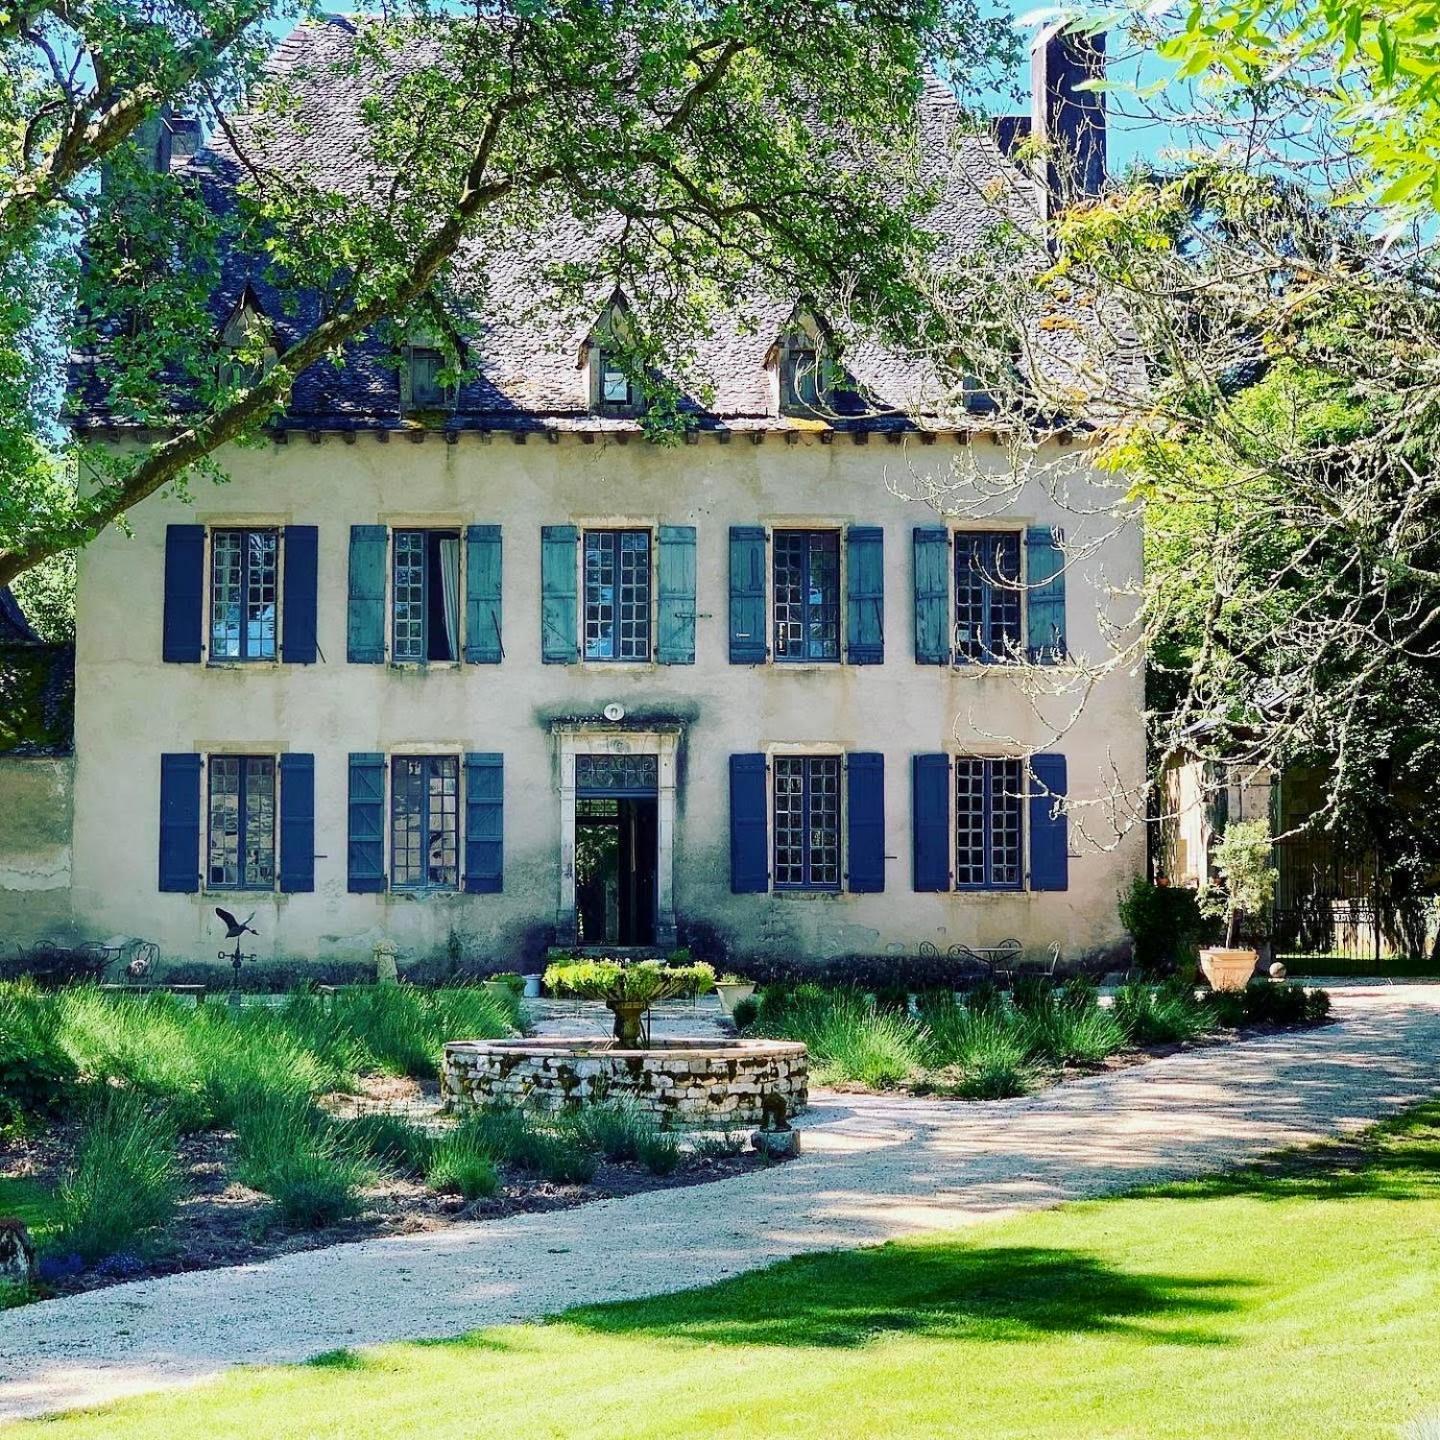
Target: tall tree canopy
[(707, 150)]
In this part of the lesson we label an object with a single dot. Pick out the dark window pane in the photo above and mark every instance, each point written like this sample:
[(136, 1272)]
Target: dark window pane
[(617, 594), (807, 594), (987, 595), (989, 796), (241, 846), (424, 822), (807, 821)]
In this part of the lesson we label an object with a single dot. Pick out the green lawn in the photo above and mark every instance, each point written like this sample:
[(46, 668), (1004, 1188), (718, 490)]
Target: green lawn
[(1299, 1299)]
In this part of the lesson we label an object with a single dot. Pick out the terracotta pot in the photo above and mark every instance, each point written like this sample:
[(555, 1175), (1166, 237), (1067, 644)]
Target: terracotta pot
[(1228, 969), (732, 992)]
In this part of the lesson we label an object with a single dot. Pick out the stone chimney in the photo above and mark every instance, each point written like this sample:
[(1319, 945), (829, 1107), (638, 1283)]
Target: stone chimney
[(1070, 121)]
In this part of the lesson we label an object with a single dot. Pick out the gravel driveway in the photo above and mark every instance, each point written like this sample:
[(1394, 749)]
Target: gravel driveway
[(873, 1170)]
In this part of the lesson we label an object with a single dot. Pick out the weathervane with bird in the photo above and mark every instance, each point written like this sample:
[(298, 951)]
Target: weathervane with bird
[(235, 930)]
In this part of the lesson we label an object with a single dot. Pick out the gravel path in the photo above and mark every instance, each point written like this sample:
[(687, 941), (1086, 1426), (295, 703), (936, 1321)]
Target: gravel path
[(873, 1170)]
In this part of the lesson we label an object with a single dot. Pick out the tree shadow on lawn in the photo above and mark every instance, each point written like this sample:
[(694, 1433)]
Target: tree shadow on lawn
[(952, 1290), (1398, 1159)]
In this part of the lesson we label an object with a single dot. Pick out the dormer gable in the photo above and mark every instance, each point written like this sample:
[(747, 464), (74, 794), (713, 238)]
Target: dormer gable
[(247, 349), (607, 361), (805, 374)]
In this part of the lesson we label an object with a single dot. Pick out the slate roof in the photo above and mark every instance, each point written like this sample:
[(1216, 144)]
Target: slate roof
[(529, 348)]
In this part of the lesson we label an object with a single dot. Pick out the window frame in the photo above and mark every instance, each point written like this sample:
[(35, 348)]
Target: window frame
[(617, 602), (246, 534), (429, 534), (988, 764), (806, 824), (242, 831), (982, 650), (429, 760), (835, 606), (445, 392)]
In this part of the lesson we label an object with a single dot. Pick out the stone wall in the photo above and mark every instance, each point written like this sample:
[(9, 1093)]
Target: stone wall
[(680, 1082), (35, 811)]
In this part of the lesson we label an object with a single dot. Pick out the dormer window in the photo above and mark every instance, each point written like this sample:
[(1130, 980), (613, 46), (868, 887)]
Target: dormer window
[(800, 387), (246, 354), (425, 372), (805, 374), (607, 366)]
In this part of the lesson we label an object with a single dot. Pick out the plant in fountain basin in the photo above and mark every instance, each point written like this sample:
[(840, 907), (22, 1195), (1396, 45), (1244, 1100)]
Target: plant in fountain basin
[(1242, 856), (628, 988)]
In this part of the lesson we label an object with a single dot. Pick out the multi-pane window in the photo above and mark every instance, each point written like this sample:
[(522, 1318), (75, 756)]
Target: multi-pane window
[(987, 595), (424, 822), (243, 589), (426, 588), (240, 853), (807, 595), (617, 594), (800, 387), (807, 822), (989, 796)]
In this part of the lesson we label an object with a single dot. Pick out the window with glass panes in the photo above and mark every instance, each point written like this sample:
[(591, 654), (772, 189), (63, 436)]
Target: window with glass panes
[(989, 797), (807, 822), (427, 389), (243, 590), (807, 594), (240, 852), (425, 585), (617, 594), (987, 595), (424, 822)]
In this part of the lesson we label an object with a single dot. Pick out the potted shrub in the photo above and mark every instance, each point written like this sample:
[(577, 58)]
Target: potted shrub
[(627, 988), (732, 989), (1242, 856)]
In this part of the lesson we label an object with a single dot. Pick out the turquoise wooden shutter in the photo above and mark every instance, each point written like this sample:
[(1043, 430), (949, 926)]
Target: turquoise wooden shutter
[(1049, 824), (865, 812), (484, 824), (180, 823), (749, 836), (865, 595), (482, 595), (1044, 595), (559, 619), (365, 620), (747, 595), (677, 595), (298, 604), (182, 629), (932, 595), (297, 824), (930, 821), (365, 852)]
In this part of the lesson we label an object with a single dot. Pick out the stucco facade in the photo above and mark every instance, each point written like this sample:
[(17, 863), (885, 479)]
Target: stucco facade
[(132, 707)]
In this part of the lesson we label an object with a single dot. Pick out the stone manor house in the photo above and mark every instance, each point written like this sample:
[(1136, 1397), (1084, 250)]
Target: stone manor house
[(487, 672)]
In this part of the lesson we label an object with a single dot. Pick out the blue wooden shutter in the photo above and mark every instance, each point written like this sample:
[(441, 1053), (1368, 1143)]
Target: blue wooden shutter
[(184, 622), (677, 595), (865, 595), (482, 595), (559, 620), (1049, 825), (297, 824), (302, 544), (747, 595), (365, 621), (180, 823), (1044, 595), (932, 595), (484, 824), (365, 863), (930, 821), (865, 809), (749, 838)]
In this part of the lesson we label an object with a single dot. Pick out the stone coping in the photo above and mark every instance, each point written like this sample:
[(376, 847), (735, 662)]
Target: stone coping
[(679, 1048)]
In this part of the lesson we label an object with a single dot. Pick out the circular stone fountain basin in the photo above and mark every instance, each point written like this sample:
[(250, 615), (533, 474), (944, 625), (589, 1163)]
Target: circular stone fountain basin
[(681, 1082)]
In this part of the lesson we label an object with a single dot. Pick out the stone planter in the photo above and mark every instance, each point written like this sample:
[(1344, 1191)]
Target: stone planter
[(1228, 969), (732, 992)]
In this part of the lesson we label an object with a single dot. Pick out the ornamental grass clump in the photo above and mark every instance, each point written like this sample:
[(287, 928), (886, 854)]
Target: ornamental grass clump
[(1160, 1014), (628, 988), (551, 1148), (391, 1141), (459, 1166), (124, 1181), (293, 1153), (622, 1130), (977, 1054), (850, 1041)]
